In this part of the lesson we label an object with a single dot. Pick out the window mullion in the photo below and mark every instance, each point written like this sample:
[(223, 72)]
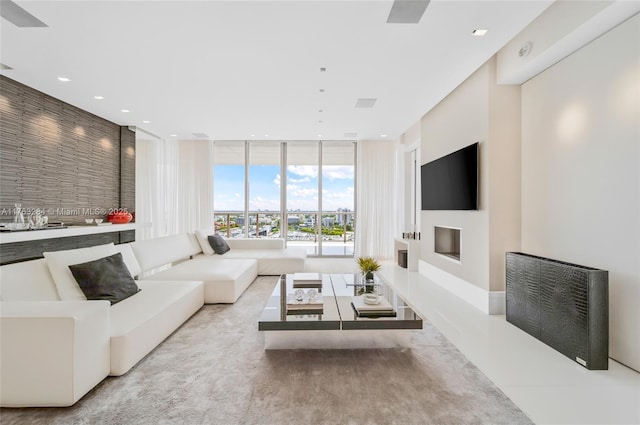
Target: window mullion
[(246, 189), (319, 214), (284, 217)]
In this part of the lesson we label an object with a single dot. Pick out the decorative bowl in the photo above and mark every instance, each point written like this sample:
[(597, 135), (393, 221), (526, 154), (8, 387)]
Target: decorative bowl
[(121, 217)]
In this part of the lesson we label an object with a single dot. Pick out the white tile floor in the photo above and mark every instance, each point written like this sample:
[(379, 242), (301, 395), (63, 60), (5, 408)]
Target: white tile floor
[(547, 386)]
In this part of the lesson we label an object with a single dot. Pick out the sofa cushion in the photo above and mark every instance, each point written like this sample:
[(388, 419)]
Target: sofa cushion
[(273, 261), (219, 245), (59, 262), (256, 243), (153, 253), (224, 280), (141, 322), (129, 258), (105, 279), (202, 236), (14, 279)]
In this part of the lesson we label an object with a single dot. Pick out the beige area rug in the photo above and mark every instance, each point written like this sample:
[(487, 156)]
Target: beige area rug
[(214, 370)]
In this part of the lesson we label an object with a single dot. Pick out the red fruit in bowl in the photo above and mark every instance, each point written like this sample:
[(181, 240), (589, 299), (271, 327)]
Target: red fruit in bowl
[(119, 217)]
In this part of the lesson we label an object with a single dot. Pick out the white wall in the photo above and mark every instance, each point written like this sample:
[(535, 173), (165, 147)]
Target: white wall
[(457, 121), (411, 186), (504, 178), (478, 111), (580, 171)]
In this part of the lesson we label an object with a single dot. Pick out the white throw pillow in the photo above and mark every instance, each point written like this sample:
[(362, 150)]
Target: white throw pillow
[(59, 262), (201, 235), (129, 258)]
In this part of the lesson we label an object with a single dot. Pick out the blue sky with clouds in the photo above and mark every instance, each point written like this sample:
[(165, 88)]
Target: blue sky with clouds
[(264, 187)]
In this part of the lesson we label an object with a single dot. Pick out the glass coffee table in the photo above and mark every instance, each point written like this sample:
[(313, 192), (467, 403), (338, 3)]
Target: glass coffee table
[(329, 320)]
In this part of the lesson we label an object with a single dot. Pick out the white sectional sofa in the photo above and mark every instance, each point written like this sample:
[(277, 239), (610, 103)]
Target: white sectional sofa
[(54, 347), (53, 351), (225, 276), (224, 279)]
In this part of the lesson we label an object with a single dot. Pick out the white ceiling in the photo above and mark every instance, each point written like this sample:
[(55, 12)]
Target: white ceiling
[(233, 69)]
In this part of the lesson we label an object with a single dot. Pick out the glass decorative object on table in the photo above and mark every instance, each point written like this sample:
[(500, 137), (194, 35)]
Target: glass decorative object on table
[(312, 294), (19, 215), (18, 219), (36, 220)]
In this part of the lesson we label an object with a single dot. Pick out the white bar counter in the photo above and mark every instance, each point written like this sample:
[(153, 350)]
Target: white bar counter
[(79, 230)]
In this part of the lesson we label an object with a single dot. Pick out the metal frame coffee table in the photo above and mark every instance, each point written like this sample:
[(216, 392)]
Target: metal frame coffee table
[(338, 325)]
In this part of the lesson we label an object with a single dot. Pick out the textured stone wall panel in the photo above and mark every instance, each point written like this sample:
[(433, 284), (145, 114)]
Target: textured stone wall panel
[(56, 157)]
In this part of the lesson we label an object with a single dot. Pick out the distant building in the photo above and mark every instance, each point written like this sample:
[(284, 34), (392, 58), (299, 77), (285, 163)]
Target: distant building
[(348, 216), (293, 220)]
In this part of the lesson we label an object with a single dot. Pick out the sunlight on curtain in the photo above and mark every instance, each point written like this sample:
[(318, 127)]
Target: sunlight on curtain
[(156, 180), (194, 208), (377, 201)]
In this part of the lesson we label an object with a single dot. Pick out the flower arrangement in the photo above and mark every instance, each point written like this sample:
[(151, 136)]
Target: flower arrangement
[(368, 265)]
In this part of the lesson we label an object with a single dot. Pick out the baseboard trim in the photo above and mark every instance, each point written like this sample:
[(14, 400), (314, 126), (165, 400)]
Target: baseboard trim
[(489, 302)]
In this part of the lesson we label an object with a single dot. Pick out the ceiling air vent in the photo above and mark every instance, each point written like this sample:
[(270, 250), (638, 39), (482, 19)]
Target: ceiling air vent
[(200, 135), (407, 11), (18, 16), (365, 102)]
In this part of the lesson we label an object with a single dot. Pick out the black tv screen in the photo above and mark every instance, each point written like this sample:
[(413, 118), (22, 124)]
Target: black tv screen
[(451, 182)]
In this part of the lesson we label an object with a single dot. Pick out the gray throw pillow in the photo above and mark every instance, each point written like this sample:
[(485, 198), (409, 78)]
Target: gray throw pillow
[(219, 245), (107, 278)]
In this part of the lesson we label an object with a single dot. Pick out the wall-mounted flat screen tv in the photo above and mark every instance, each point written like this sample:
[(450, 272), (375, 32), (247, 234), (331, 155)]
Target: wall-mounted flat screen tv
[(451, 182)]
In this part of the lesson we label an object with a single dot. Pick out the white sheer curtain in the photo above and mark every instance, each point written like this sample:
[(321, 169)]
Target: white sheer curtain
[(377, 201), (156, 178), (174, 186), (194, 208)]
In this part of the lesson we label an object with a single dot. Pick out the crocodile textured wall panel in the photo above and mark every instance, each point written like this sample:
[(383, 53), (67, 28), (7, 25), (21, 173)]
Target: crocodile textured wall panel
[(564, 305)]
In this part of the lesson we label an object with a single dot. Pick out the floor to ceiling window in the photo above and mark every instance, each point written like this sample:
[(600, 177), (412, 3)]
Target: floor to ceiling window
[(301, 191), (229, 189), (338, 195), (265, 212), (302, 195)]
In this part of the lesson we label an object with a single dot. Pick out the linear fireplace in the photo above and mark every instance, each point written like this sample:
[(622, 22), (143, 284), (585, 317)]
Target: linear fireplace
[(447, 242)]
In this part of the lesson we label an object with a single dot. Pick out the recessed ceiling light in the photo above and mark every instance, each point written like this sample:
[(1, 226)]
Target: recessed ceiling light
[(323, 69), (173, 135), (383, 135), (321, 90), (319, 135), (320, 121), (266, 135), (253, 135), (98, 97), (320, 110), (64, 79), (479, 32), (124, 110), (146, 121)]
